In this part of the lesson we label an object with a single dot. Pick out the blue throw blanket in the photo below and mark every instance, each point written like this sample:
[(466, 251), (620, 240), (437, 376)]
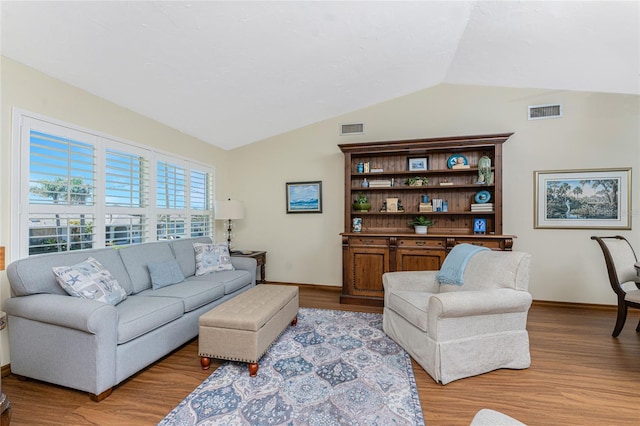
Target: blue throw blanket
[(456, 261)]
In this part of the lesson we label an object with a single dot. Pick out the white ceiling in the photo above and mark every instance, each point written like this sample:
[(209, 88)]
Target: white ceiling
[(232, 73)]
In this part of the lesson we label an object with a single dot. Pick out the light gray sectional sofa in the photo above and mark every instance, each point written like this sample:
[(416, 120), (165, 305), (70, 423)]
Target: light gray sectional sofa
[(92, 346)]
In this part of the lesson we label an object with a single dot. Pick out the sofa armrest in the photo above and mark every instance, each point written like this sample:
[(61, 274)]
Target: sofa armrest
[(248, 264), (484, 302), (64, 311), (409, 281)]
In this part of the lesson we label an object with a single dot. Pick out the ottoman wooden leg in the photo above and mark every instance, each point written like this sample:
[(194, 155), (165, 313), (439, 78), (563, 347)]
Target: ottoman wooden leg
[(253, 369), (205, 362), (294, 322)]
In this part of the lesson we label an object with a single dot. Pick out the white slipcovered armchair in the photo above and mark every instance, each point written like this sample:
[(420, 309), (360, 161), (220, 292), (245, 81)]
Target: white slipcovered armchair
[(456, 331)]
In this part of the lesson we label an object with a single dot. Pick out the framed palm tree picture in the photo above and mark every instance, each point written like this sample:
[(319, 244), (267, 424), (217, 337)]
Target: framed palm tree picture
[(583, 199)]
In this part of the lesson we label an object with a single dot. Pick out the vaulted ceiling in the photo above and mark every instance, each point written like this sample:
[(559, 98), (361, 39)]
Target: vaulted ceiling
[(232, 73)]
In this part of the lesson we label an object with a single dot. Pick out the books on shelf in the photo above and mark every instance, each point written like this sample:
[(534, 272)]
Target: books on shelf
[(485, 207), (380, 183), (377, 170), (439, 205)]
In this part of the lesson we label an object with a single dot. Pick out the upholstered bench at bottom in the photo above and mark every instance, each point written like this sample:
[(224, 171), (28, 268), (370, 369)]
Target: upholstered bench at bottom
[(243, 328)]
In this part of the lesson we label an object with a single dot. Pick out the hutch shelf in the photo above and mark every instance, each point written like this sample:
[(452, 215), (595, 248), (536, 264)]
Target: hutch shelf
[(380, 239)]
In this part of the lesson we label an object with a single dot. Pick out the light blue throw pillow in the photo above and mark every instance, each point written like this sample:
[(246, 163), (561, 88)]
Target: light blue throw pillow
[(212, 258), (90, 280), (165, 273)]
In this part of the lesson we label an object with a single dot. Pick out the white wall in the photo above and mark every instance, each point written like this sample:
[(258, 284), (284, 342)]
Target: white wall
[(596, 131), (27, 89)]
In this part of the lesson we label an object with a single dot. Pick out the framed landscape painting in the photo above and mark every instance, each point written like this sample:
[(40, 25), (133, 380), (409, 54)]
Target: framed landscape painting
[(583, 199), (304, 197), (418, 164)]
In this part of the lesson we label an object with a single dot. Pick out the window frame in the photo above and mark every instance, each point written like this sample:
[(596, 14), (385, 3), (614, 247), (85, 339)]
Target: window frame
[(23, 121)]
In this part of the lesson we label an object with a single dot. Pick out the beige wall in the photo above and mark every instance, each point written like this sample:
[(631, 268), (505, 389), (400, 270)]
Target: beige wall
[(597, 131), (27, 89)]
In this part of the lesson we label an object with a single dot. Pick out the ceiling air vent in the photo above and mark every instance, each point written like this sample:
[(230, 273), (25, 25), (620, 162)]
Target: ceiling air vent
[(539, 112), (352, 129)]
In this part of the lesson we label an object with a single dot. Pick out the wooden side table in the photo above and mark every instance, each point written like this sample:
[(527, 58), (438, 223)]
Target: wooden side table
[(259, 256)]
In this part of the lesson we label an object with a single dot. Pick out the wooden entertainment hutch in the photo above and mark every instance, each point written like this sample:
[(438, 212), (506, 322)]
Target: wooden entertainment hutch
[(386, 242)]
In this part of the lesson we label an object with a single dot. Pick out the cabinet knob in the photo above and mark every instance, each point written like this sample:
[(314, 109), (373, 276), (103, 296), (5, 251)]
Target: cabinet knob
[(420, 243)]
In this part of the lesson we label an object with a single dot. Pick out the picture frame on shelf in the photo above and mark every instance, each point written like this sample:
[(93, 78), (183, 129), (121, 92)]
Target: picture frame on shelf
[(480, 225), (582, 199), (416, 164), (392, 205), (304, 197)]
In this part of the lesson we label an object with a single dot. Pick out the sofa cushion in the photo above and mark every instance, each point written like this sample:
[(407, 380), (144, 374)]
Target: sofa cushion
[(139, 315), (136, 258), (185, 254), (212, 258), (193, 294), (90, 280), (412, 306), (165, 273), (232, 280), (33, 275)]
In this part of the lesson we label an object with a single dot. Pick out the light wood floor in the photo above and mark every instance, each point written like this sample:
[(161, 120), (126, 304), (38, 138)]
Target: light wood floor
[(580, 375)]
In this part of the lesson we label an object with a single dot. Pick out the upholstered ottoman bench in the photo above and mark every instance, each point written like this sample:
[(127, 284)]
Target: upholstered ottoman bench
[(243, 328)]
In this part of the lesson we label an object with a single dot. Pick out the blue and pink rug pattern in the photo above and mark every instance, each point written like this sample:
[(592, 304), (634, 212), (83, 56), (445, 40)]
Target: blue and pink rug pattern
[(332, 368)]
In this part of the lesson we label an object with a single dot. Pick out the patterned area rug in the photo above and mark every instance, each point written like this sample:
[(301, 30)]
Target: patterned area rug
[(332, 368)]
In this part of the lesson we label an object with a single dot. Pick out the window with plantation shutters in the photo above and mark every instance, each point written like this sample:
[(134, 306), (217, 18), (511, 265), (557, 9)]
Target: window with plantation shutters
[(61, 191), (184, 199), (201, 196), (170, 200), (61, 170), (124, 180), (171, 185), (126, 197), (79, 189)]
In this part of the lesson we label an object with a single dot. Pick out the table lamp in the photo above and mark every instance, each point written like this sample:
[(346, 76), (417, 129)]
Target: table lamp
[(229, 210)]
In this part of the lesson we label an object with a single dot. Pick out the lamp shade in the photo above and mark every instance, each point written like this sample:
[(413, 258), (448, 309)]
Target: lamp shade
[(229, 209)]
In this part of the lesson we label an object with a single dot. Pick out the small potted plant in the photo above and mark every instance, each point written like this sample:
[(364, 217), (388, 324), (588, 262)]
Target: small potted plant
[(420, 224), (416, 181), (361, 203)]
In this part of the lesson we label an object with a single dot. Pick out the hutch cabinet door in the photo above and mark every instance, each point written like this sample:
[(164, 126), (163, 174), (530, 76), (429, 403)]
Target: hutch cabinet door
[(367, 266), (364, 263)]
